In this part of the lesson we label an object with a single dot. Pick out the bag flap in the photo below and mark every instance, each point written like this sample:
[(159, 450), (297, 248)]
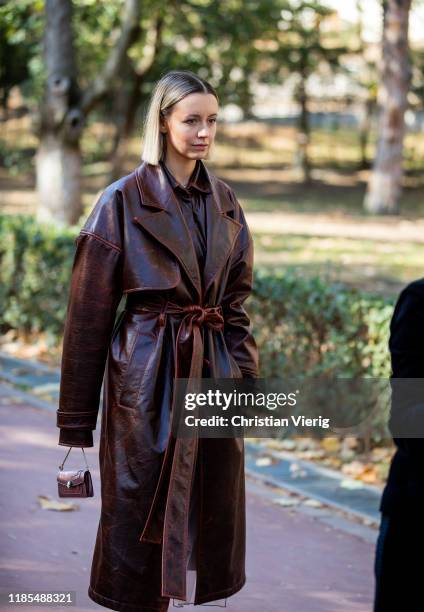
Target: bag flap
[(75, 477)]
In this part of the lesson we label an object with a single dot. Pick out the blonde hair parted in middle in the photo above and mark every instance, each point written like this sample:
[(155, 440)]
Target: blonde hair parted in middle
[(170, 89)]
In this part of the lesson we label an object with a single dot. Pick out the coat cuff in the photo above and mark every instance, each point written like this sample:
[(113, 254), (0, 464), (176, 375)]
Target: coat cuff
[(76, 437), (77, 420)]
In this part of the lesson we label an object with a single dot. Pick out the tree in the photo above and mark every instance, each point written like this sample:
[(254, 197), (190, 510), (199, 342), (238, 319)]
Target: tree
[(302, 47), (367, 79), (385, 183), (208, 37), (65, 108), (127, 101)]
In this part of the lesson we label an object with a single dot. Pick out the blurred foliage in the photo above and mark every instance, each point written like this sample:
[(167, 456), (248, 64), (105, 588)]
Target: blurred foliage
[(303, 325), (205, 36), (34, 275), (21, 31), (308, 327), (305, 43), (234, 45), (15, 159)]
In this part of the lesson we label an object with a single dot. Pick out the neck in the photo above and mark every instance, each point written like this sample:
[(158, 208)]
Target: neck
[(180, 167)]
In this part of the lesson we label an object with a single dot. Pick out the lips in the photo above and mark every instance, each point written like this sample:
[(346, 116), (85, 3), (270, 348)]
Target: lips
[(200, 145)]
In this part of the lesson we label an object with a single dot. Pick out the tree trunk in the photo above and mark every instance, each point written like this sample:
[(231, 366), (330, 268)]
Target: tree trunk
[(303, 163), (385, 184), (364, 131), (368, 106), (58, 161), (65, 108), (58, 180)]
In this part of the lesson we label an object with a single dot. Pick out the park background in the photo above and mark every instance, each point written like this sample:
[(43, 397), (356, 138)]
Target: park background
[(320, 133)]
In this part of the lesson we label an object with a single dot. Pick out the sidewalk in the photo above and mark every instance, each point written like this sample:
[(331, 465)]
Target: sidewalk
[(294, 561), (387, 229), (282, 469)]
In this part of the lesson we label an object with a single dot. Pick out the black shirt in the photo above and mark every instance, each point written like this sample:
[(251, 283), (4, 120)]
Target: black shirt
[(192, 201)]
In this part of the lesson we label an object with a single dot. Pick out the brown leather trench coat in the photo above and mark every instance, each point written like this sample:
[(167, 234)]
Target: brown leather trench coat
[(135, 242)]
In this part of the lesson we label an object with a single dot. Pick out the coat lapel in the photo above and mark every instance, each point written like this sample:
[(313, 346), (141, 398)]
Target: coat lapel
[(166, 223), (221, 232), (162, 218)]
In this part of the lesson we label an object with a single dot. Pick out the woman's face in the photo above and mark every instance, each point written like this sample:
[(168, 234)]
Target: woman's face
[(192, 122)]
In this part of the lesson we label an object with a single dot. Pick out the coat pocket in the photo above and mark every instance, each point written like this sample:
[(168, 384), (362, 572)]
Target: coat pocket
[(133, 371), (131, 344)]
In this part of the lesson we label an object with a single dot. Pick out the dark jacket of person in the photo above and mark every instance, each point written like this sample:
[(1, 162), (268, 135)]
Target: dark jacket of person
[(404, 491)]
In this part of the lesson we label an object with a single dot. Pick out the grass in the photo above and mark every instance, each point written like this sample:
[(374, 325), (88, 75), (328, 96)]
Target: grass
[(377, 266)]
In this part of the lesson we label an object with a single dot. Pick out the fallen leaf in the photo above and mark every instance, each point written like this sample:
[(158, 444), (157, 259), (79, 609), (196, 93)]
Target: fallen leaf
[(53, 504), (312, 503), (286, 501), (262, 461), (351, 484), (310, 455), (331, 444), (288, 445), (296, 471), (353, 468)]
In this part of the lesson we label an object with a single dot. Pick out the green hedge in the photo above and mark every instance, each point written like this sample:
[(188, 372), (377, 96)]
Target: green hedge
[(305, 326), (35, 266), (302, 325)]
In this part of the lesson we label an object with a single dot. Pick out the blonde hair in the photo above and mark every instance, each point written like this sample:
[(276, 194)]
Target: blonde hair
[(170, 89)]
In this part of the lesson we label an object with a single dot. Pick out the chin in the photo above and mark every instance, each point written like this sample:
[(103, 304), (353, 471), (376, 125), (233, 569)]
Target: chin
[(200, 154), (193, 154)]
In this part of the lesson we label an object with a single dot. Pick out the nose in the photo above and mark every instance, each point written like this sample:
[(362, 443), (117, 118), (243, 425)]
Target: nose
[(203, 132)]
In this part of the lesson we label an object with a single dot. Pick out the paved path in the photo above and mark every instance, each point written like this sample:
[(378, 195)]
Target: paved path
[(390, 228), (326, 485), (386, 229), (295, 562), (329, 486)]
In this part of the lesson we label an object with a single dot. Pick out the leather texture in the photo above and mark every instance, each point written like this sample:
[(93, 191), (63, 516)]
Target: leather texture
[(76, 483), (180, 322)]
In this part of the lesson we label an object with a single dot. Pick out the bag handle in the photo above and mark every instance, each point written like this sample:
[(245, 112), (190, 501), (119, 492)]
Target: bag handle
[(70, 448)]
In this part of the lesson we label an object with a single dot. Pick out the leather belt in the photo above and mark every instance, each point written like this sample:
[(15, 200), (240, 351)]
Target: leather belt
[(169, 525)]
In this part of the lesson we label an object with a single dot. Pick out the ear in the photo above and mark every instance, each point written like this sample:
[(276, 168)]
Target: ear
[(163, 126)]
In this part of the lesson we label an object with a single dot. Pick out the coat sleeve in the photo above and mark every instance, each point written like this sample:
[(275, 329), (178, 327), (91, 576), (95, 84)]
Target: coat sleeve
[(94, 296), (238, 328)]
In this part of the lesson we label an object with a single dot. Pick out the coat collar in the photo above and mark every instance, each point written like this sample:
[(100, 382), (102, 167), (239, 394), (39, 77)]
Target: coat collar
[(198, 179), (162, 217)]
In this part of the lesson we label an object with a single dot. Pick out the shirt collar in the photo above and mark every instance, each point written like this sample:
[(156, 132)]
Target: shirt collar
[(198, 178)]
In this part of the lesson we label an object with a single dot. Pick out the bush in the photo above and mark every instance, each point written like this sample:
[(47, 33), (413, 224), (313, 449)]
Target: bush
[(302, 326), (305, 326), (35, 266)]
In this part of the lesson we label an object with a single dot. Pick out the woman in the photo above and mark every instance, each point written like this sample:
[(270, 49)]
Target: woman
[(173, 238)]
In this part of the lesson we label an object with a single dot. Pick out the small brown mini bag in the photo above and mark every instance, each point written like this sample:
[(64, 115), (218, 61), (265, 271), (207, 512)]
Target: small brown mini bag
[(74, 483)]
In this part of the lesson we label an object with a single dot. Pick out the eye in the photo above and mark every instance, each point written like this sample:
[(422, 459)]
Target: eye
[(213, 120)]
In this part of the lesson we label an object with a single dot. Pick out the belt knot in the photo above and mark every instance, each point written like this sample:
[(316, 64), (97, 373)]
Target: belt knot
[(208, 315), (211, 316)]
